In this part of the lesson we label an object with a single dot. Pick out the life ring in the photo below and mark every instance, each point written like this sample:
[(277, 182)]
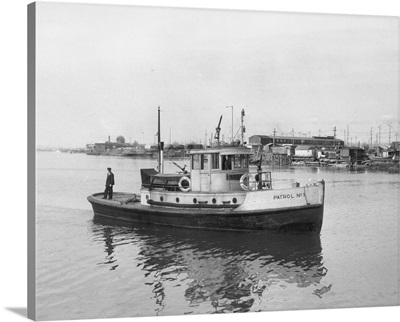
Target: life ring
[(184, 184), (251, 183)]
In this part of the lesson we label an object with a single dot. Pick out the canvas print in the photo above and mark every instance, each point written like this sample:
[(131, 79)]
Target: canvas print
[(196, 161)]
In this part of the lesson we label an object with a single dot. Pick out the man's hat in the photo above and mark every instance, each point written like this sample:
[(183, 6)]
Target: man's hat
[(108, 168)]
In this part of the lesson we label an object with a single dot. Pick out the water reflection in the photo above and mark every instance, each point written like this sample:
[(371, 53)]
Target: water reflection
[(109, 247), (228, 271)]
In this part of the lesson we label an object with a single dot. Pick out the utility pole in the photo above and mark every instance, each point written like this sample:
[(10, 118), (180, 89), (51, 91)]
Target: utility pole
[(348, 133), (334, 136), (232, 120), (390, 129), (379, 140), (292, 136), (371, 139), (273, 144)]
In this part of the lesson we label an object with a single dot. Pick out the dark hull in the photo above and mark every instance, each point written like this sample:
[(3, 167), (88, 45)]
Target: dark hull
[(296, 218)]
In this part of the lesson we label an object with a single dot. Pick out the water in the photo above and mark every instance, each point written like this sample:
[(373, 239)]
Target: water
[(89, 267)]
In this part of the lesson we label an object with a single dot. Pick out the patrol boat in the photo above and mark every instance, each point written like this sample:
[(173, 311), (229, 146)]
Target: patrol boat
[(221, 191)]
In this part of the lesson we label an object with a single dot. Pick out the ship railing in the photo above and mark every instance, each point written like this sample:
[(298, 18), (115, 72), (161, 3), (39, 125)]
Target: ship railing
[(168, 183), (256, 180), (166, 186), (262, 180)]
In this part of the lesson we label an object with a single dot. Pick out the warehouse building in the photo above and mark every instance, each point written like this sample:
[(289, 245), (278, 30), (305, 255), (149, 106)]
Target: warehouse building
[(257, 141)]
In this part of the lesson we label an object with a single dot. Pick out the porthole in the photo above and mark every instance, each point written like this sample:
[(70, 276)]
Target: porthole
[(161, 198), (234, 200), (194, 200), (214, 200), (177, 200)]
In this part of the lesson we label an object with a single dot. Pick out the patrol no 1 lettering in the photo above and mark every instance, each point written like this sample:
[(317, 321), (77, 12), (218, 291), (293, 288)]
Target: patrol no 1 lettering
[(289, 196)]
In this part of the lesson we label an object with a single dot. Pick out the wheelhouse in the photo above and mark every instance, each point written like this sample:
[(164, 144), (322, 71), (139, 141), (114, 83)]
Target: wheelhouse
[(211, 171), (214, 170)]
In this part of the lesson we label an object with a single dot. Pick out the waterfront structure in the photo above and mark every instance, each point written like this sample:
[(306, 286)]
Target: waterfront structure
[(394, 150), (352, 154), (118, 148), (257, 141), (306, 151)]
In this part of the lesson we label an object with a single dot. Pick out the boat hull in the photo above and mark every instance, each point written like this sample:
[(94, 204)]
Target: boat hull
[(305, 217)]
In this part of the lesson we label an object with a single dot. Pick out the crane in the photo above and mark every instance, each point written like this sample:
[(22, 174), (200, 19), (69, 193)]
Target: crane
[(218, 130)]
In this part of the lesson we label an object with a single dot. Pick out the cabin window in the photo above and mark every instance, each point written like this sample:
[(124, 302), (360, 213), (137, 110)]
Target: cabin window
[(236, 161), (198, 162), (215, 161), (241, 161), (226, 162), (245, 161), (205, 162)]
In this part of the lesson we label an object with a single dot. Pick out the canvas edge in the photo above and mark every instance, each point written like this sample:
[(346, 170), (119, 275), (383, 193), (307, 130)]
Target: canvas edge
[(31, 146), (31, 151)]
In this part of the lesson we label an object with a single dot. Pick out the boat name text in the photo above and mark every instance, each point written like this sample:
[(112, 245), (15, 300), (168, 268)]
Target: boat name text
[(289, 196)]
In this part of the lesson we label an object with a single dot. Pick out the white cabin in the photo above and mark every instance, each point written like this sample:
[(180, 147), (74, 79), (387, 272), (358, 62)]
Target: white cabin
[(218, 170)]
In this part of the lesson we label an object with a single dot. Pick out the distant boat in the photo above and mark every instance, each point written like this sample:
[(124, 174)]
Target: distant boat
[(339, 164), (382, 159), (134, 153)]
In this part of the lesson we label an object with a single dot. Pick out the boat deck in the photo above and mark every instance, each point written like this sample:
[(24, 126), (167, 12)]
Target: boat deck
[(122, 198)]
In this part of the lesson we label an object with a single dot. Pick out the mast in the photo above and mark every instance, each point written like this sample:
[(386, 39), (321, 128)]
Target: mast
[(243, 129), (160, 147)]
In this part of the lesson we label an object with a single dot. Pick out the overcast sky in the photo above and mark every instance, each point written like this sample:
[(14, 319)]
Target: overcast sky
[(103, 70)]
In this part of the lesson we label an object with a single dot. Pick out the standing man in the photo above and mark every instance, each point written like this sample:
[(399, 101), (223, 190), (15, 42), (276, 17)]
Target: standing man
[(109, 185)]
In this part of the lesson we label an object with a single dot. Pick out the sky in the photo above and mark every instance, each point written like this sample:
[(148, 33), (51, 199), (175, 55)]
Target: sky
[(103, 70)]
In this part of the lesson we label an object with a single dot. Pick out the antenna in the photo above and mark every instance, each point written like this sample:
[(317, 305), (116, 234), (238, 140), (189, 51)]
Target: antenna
[(232, 121), (242, 126)]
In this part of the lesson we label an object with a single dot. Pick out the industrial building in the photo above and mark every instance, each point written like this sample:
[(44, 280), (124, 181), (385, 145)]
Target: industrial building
[(317, 141)]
